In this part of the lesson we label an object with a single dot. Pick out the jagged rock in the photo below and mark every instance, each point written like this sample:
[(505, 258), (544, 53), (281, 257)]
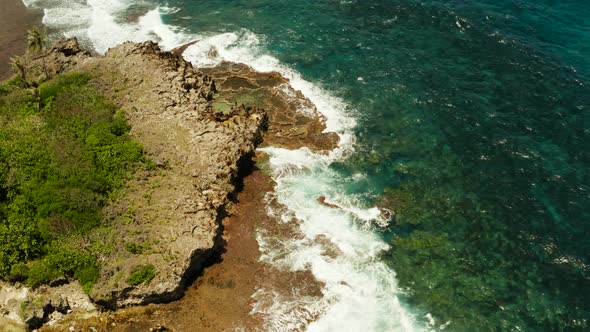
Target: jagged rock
[(40, 308), (167, 103), (68, 47), (22, 305), (64, 54), (33, 316), (11, 297), (293, 120)]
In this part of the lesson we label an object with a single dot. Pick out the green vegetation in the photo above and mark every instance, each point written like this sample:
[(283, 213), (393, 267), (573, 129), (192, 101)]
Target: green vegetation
[(141, 274), (63, 152), (137, 248), (263, 163)]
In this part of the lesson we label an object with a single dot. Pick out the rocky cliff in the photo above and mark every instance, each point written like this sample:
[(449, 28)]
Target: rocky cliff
[(171, 216)]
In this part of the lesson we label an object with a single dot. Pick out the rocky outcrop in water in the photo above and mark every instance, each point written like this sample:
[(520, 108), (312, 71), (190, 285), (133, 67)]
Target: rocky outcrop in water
[(293, 120)]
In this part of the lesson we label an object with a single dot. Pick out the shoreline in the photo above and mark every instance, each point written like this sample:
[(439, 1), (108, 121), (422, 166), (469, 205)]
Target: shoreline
[(16, 19), (296, 291)]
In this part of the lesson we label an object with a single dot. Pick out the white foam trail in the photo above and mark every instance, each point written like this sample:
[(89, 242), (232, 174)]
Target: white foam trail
[(293, 314), (360, 292), (70, 18)]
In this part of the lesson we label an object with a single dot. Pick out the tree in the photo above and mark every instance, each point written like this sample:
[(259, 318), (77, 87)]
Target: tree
[(19, 66), (37, 42)]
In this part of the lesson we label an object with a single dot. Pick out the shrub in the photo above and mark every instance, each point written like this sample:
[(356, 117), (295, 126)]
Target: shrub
[(21, 240), (87, 276), (136, 248), (141, 274), (68, 260), (50, 89), (19, 272), (41, 273)]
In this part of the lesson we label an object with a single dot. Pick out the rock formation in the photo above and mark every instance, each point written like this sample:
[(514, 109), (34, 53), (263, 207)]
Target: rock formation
[(293, 120), (198, 154)]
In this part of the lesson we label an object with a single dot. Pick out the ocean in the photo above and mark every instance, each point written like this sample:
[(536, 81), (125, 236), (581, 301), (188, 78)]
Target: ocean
[(468, 119)]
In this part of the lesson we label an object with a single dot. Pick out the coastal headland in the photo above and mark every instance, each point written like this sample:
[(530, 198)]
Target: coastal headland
[(192, 214)]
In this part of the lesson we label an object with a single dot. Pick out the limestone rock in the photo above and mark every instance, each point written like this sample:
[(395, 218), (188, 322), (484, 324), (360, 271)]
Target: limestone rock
[(33, 308), (64, 54), (175, 230), (293, 120)]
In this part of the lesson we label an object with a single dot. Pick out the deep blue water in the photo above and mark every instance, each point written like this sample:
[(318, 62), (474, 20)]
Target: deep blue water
[(473, 125)]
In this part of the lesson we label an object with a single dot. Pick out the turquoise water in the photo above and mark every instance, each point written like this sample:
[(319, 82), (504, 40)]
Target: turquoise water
[(474, 120), (472, 125)]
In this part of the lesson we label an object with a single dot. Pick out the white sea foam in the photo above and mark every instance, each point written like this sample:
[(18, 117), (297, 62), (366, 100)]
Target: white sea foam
[(360, 291), (286, 314), (95, 23)]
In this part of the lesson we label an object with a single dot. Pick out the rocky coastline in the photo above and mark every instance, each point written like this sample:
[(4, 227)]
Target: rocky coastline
[(200, 127)]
